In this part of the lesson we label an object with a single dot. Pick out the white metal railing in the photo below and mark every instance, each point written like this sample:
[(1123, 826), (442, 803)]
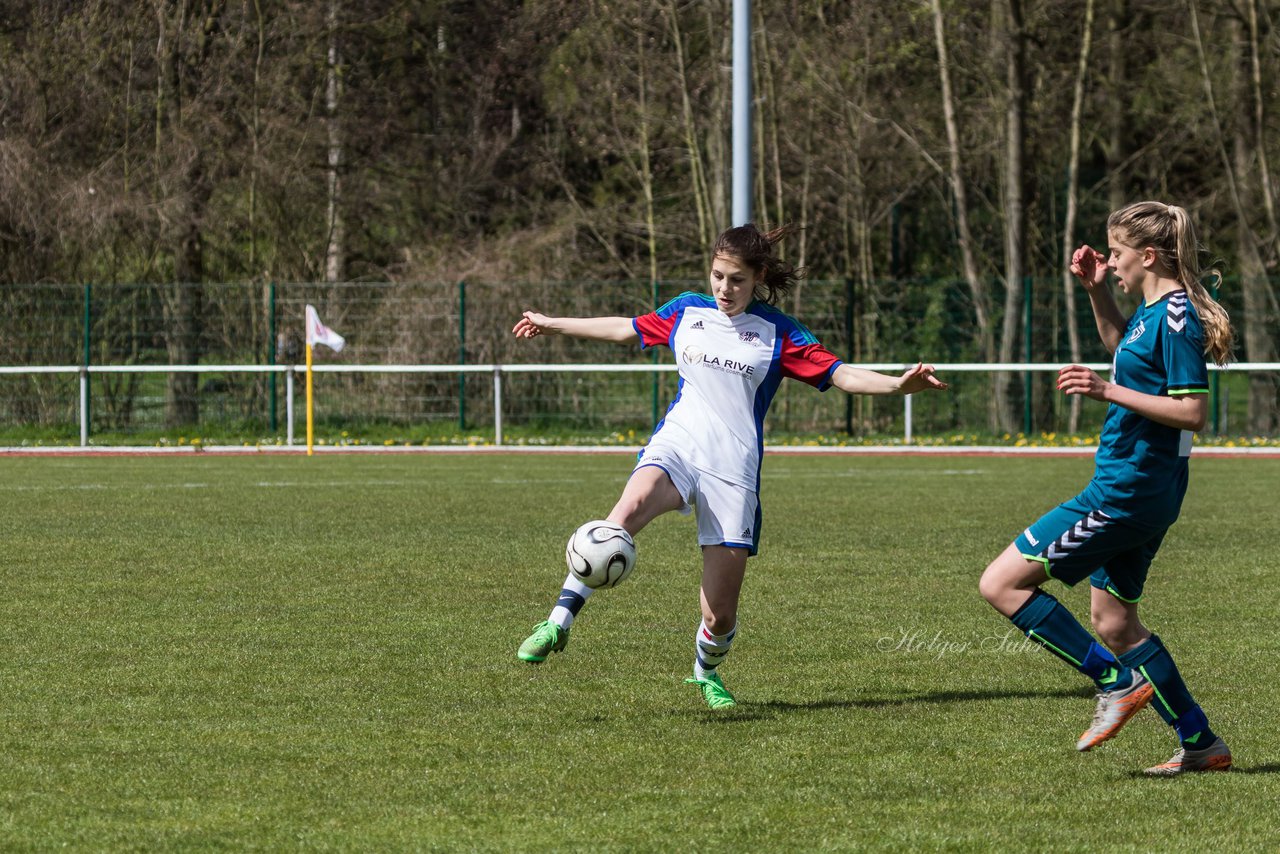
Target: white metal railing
[(498, 370)]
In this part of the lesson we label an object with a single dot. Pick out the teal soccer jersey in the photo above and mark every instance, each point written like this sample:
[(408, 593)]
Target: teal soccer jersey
[(1141, 467)]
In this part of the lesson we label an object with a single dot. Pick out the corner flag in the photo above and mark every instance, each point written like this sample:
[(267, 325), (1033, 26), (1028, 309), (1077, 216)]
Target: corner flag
[(317, 333)]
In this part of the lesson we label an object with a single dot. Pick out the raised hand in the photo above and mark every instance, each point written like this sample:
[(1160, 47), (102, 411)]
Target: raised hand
[(1089, 266)]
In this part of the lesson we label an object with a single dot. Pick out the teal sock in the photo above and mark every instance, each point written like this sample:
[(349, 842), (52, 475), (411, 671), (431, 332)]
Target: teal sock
[(1193, 730), (1044, 619), (1173, 701)]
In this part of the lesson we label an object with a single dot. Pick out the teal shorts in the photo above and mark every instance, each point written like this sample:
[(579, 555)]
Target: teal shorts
[(1074, 542)]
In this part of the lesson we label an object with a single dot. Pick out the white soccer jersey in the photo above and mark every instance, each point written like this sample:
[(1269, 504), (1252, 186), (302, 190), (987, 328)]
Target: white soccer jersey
[(730, 369)]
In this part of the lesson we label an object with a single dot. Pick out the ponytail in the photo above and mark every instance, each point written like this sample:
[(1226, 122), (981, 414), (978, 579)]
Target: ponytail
[(1168, 230)]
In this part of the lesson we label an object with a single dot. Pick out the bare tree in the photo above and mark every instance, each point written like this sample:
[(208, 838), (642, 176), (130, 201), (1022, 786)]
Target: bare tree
[(1073, 202), (1013, 41), (335, 243), (956, 176), (186, 32)]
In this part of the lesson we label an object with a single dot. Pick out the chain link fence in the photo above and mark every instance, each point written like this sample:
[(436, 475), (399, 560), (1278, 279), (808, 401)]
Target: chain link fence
[(470, 323)]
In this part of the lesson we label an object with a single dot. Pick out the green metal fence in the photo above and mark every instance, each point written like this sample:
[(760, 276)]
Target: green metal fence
[(469, 323)]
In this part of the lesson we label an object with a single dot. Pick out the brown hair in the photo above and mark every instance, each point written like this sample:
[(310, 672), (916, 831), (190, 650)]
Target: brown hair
[(754, 249), (1167, 229)]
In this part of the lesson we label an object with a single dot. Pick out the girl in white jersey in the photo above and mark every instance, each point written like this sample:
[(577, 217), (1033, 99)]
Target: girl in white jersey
[(733, 348)]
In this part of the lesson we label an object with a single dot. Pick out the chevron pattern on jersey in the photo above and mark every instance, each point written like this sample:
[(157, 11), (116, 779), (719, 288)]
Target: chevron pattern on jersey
[(1076, 535), (1176, 316)]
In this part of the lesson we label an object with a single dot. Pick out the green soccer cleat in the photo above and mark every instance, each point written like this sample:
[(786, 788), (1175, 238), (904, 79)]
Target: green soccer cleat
[(713, 691), (547, 638)]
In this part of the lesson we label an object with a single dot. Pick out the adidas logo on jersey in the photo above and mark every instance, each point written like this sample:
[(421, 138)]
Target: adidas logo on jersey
[(697, 325)]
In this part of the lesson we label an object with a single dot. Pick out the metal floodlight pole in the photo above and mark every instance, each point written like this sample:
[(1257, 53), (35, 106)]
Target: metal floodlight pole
[(741, 112)]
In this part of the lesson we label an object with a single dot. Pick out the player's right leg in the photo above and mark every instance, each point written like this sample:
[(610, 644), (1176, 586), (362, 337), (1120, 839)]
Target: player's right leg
[(648, 494), (1065, 544)]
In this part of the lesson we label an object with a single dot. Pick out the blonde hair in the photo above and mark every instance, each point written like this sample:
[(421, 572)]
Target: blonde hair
[(1168, 230)]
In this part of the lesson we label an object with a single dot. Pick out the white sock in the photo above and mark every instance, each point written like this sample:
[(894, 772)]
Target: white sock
[(710, 650)]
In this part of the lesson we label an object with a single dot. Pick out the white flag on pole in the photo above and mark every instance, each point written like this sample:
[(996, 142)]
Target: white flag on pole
[(318, 333)]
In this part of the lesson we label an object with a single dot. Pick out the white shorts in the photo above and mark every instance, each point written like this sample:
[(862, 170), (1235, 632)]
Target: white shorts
[(727, 514)]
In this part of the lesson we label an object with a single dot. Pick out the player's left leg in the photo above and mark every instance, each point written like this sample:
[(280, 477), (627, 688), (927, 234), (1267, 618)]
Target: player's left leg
[(723, 570), (729, 520), (1116, 591), (1200, 749)]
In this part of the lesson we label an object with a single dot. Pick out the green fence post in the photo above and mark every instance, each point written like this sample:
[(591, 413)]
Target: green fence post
[(462, 354), (271, 349), (1026, 355), (87, 416)]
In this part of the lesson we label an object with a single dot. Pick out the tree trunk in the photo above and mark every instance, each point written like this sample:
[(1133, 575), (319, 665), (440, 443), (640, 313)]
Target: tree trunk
[(968, 260), (1015, 214), (1118, 145), (335, 244), (697, 169), (1073, 202), (188, 189), (1259, 300)]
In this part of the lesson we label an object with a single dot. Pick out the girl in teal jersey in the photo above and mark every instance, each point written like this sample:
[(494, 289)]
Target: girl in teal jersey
[(1158, 396)]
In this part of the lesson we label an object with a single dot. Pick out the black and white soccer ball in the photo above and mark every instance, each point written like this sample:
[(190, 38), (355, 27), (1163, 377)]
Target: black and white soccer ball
[(601, 554)]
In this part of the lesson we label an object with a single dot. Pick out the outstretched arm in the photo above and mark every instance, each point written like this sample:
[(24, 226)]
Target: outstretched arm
[(861, 381), (1090, 267), (617, 329)]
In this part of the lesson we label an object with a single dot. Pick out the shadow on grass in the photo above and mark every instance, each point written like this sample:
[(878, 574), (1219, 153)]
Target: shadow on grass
[(1273, 768), (748, 711)]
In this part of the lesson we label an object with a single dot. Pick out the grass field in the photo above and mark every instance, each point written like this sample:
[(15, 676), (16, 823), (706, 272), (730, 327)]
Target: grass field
[(272, 653)]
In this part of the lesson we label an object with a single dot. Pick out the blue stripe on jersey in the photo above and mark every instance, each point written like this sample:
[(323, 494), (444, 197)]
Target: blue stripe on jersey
[(794, 329), (674, 401), (764, 399), (683, 301)]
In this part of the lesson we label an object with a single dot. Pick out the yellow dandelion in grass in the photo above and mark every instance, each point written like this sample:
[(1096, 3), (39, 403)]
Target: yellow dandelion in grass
[(182, 440), (388, 442)]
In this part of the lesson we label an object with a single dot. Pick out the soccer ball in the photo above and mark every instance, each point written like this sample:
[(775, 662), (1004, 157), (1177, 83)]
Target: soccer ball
[(600, 554)]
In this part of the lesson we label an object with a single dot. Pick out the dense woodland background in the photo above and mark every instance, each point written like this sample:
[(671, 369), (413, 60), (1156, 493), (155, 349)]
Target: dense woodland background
[(528, 146)]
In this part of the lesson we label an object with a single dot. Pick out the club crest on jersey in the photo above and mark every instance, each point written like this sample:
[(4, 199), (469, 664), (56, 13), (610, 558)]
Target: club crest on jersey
[(1137, 332), (749, 337)]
